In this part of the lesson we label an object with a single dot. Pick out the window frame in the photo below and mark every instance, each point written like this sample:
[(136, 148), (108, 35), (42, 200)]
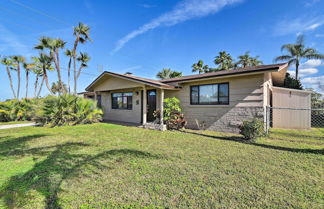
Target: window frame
[(216, 103), (122, 97)]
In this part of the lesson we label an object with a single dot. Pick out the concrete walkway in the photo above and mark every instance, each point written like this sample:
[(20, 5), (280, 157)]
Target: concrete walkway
[(17, 125)]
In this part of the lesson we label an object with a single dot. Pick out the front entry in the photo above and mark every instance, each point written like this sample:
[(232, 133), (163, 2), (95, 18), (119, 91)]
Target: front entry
[(151, 105)]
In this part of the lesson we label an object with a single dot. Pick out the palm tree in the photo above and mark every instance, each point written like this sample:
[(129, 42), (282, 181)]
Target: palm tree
[(81, 33), (45, 63), (69, 53), (255, 61), (224, 61), (167, 73), (83, 58), (17, 60), (28, 67), (54, 46), (59, 88), (200, 67), (296, 52), (8, 63)]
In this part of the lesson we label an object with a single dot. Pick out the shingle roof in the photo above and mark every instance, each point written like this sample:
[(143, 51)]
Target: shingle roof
[(164, 83), (258, 68)]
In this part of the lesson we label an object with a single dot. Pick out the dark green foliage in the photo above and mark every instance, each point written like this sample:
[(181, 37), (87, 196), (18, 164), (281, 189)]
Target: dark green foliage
[(252, 129), (292, 83), (67, 110), (173, 116), (167, 73)]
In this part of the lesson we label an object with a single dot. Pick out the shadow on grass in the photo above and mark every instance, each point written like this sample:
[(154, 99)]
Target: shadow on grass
[(61, 163), (242, 140)]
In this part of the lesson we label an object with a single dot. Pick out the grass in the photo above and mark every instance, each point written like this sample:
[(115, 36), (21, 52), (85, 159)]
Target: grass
[(14, 122), (106, 166)]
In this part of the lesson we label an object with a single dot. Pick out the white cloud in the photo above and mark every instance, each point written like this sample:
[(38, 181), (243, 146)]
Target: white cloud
[(310, 3), (311, 63), (297, 26), (183, 11), (88, 6), (147, 6), (319, 35), (304, 72), (314, 82), (10, 42)]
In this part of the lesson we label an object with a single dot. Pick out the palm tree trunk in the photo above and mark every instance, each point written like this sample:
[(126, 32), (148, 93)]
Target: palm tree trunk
[(10, 80), (55, 56), (27, 74), (41, 86), (36, 85), (297, 68), (74, 63), (69, 75), (46, 81), (18, 75)]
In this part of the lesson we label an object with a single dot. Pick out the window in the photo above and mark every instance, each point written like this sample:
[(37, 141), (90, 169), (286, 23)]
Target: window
[(99, 101), (122, 101), (211, 94)]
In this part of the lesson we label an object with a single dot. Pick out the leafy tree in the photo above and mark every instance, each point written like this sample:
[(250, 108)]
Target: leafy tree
[(292, 83), (18, 60), (200, 67), (8, 63), (316, 99), (167, 73), (81, 33), (224, 61), (296, 52), (246, 60), (59, 88)]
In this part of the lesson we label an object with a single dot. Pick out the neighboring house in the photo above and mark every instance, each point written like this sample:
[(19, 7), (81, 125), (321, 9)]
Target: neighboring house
[(215, 101)]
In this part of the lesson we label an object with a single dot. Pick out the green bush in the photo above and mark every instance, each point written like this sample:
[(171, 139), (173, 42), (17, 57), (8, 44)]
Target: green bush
[(67, 110), (252, 129), (173, 116), (17, 110)]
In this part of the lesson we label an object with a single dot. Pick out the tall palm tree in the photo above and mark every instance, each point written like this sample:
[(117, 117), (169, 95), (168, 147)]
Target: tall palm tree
[(246, 60), (83, 58), (45, 63), (81, 33), (54, 46), (224, 61), (69, 53), (18, 60), (200, 67), (8, 63), (296, 52), (255, 61), (28, 67), (167, 73), (59, 88)]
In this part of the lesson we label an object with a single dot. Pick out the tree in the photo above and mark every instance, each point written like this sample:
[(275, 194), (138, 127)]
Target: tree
[(81, 33), (54, 46), (83, 58), (18, 60), (316, 99), (224, 61), (37, 70), (45, 63), (59, 88), (246, 60), (296, 52), (28, 67), (167, 73), (292, 83), (200, 67), (8, 63), (69, 53)]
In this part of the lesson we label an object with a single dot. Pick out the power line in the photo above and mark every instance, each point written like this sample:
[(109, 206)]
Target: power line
[(38, 12)]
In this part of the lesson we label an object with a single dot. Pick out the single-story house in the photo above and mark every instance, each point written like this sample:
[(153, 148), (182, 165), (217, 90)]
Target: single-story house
[(215, 101)]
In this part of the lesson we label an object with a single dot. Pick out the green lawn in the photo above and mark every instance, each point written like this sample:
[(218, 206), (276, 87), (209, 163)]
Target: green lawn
[(14, 122), (105, 166)]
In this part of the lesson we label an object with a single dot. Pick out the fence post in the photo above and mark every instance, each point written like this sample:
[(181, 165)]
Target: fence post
[(267, 119)]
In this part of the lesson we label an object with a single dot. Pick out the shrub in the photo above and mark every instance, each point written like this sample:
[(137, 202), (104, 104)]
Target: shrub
[(252, 129), (173, 116), (67, 110), (17, 110)]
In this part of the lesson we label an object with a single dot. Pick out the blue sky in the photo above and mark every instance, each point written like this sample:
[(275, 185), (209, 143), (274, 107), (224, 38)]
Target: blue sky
[(144, 36)]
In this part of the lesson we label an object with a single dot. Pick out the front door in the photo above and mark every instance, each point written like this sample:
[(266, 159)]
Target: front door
[(151, 105)]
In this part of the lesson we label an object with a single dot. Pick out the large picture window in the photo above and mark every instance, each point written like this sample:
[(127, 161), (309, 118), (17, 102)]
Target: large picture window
[(211, 94), (122, 101)]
